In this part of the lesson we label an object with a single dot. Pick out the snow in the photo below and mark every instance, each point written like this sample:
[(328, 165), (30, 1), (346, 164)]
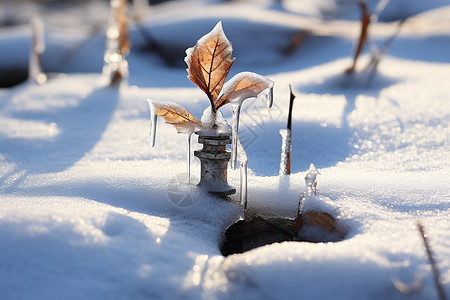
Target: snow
[(89, 210)]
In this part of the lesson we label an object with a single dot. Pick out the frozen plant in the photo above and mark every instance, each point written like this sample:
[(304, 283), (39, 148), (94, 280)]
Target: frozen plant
[(208, 64), (117, 43)]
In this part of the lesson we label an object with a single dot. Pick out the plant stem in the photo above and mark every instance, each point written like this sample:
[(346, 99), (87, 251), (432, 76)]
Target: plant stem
[(434, 268)]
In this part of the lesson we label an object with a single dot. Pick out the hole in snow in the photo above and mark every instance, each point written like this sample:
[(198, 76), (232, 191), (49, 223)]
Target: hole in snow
[(314, 227)]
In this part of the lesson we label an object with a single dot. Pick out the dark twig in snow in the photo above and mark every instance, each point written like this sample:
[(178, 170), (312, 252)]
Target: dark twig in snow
[(289, 127), (434, 268)]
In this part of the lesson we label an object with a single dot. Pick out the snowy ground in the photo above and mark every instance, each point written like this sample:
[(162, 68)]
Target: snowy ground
[(87, 207)]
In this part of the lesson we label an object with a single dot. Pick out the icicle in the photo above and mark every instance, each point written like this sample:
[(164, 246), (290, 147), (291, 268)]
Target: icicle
[(269, 97), (189, 157), (243, 189), (153, 122), (243, 159), (311, 180), (285, 148), (235, 133)]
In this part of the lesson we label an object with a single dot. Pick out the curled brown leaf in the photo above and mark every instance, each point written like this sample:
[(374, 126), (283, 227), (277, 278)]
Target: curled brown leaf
[(242, 86), (209, 62), (176, 115)]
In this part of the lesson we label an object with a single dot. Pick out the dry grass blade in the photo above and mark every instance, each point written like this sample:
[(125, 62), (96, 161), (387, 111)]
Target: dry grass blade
[(434, 268), (242, 86), (122, 21), (176, 115), (365, 22), (209, 62), (296, 41)]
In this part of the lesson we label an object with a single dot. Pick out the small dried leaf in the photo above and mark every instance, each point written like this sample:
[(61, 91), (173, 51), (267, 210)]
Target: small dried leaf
[(176, 115), (242, 86), (209, 62)]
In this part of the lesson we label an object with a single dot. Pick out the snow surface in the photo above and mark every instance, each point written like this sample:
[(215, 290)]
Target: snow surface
[(88, 210)]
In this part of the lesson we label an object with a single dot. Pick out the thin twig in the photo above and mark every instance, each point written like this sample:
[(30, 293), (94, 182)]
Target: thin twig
[(289, 127), (365, 22), (434, 268), (377, 56)]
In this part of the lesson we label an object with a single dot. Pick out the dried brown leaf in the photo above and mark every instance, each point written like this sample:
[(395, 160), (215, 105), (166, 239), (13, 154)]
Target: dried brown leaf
[(176, 115), (209, 62), (242, 86)]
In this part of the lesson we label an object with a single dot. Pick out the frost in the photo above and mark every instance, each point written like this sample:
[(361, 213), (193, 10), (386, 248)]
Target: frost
[(214, 122)]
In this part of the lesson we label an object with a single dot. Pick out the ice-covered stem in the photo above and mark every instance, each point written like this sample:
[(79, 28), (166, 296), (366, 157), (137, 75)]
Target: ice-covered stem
[(37, 48), (436, 275), (117, 43), (285, 145), (311, 180)]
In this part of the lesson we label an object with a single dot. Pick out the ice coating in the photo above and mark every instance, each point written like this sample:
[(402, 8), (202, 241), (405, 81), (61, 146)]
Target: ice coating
[(214, 121), (38, 46), (243, 160), (217, 30), (285, 148), (246, 85), (114, 60), (176, 115), (311, 180), (153, 122)]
